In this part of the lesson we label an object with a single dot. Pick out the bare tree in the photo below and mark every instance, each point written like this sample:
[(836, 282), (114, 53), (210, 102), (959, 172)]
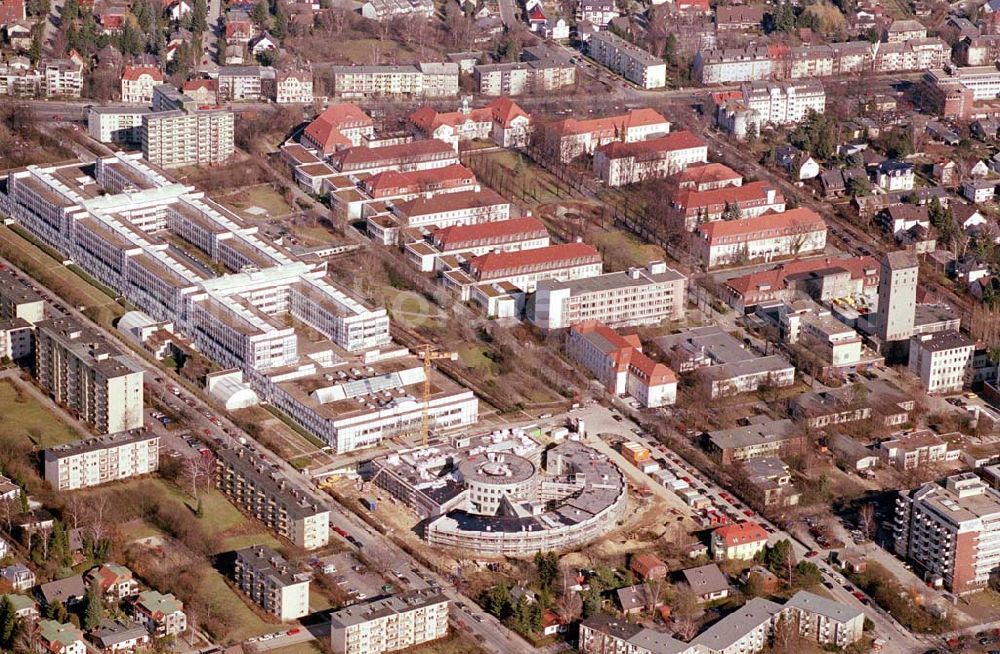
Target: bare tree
[(569, 606), (866, 519), (652, 591), (686, 611), (7, 511), (198, 471), (97, 510)]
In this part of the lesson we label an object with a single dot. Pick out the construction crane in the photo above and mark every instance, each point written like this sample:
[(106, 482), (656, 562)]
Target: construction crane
[(428, 353)]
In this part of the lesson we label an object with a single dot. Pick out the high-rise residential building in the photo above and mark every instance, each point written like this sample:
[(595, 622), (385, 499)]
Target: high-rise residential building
[(389, 624), (18, 300), (272, 582), (253, 486), (951, 532), (628, 60), (897, 296), (101, 460), (76, 365), (942, 360), (175, 138)]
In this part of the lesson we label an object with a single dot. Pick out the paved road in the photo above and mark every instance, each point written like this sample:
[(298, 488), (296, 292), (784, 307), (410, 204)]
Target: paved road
[(197, 415)]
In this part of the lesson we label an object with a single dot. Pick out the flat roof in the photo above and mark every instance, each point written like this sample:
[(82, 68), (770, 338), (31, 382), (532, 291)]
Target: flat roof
[(380, 608)]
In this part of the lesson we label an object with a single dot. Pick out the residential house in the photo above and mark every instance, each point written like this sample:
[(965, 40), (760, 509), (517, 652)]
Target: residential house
[(138, 83), (648, 567), (798, 164), (114, 581), (18, 576), (741, 541), (707, 582), (116, 637), (636, 599), (895, 176), (68, 591), (162, 615), (57, 638)]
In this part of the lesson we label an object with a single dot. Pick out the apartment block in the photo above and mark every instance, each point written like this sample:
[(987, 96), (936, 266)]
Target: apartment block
[(620, 365), (638, 296), (81, 371), (763, 238), (270, 497), (101, 460), (382, 10), (740, 541), (61, 78), (776, 438), (762, 103), (246, 83), (518, 78), (619, 164), (17, 339), (951, 531), (403, 157), (204, 137), (425, 80), (628, 60), (19, 300), (138, 82), (116, 124), (271, 582), (825, 621), (942, 360), (389, 624), (567, 139)]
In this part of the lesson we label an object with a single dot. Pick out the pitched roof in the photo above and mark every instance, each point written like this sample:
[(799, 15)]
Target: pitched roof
[(706, 173), (133, 73), (415, 149), (324, 131), (497, 263), (706, 579), (800, 219), (643, 564), (63, 589), (625, 352), (740, 534), (390, 180), (422, 206), (754, 191), (501, 110), (623, 122), (669, 143), (455, 237), (858, 267)]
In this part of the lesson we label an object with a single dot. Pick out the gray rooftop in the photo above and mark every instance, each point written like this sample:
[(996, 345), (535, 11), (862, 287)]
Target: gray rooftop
[(265, 561), (609, 281), (380, 608), (900, 260), (739, 437), (99, 443), (941, 341), (706, 579), (726, 632), (826, 607)]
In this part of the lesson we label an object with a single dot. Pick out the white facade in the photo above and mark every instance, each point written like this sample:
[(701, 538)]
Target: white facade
[(271, 582), (619, 164), (138, 83), (631, 62), (762, 238), (16, 339), (75, 365), (171, 139), (116, 124), (784, 104), (942, 360), (294, 88), (386, 625), (623, 299), (420, 80), (102, 460)]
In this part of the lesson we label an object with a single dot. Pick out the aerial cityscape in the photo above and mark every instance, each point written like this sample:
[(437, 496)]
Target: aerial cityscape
[(499, 326)]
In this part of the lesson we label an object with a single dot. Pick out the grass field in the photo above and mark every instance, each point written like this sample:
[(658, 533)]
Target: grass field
[(22, 416), (262, 196), (621, 250), (538, 184), (52, 274)]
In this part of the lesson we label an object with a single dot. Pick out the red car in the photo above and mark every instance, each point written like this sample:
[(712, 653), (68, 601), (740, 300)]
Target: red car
[(858, 595), (292, 632), (811, 553), (748, 513)]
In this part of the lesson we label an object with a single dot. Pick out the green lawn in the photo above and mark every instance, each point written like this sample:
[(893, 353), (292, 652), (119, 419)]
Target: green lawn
[(225, 600), (52, 274), (22, 416), (621, 250)]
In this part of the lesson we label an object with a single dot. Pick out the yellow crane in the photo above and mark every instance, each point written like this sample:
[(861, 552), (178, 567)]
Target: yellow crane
[(427, 354)]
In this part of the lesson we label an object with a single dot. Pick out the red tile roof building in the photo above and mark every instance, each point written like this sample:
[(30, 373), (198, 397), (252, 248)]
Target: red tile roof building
[(708, 177), (394, 184), (339, 126), (847, 276), (503, 121), (762, 238), (447, 209), (619, 164), (525, 268), (12, 11), (567, 139), (741, 541), (416, 155), (620, 365), (753, 199), (474, 240), (138, 83)]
